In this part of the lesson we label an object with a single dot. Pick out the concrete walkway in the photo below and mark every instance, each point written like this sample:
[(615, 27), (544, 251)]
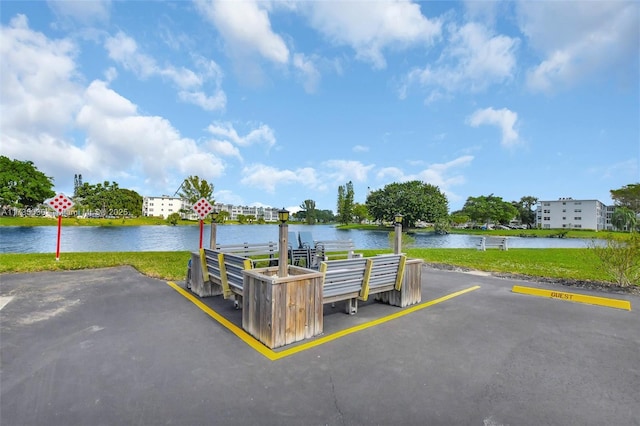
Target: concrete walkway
[(113, 347)]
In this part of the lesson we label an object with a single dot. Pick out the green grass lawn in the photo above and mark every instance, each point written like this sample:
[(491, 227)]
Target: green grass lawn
[(562, 263), (573, 264), (163, 265)]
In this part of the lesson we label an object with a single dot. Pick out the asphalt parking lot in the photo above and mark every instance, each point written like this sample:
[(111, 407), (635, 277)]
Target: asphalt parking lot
[(113, 347)]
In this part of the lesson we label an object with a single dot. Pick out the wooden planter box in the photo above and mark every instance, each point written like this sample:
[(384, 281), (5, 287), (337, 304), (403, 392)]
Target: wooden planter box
[(411, 291), (279, 311)]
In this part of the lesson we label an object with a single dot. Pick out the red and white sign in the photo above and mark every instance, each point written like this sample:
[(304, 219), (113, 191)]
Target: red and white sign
[(60, 203), (202, 207)]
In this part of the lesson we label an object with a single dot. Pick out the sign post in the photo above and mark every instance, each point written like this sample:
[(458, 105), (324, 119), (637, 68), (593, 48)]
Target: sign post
[(202, 207), (60, 203)]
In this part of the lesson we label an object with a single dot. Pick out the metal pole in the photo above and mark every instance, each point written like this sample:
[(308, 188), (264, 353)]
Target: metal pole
[(397, 246), (283, 253), (212, 235)]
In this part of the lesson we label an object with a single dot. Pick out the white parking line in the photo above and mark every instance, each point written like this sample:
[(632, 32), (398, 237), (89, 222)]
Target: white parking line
[(4, 300)]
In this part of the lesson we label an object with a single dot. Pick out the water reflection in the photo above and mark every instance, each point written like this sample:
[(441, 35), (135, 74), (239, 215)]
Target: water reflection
[(42, 239)]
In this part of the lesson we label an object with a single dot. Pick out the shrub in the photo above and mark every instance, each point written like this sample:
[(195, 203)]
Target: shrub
[(173, 218), (620, 259)]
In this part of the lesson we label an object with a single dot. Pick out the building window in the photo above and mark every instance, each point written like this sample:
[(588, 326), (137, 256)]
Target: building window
[(578, 210), (577, 203), (577, 218), (546, 204), (564, 218)]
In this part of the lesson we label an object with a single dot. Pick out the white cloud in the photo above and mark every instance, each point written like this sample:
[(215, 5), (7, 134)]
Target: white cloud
[(473, 60), (578, 40), (267, 178), (246, 28), (85, 12), (371, 27), (360, 148), (225, 131), (40, 82), (341, 171), (119, 138), (124, 50), (504, 118), (439, 174), (309, 73), (50, 118)]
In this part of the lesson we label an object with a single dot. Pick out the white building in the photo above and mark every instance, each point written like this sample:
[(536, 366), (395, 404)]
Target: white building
[(269, 214), (567, 213), (165, 205)]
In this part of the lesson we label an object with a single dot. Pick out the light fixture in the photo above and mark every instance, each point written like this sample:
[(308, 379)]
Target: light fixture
[(214, 215), (398, 219), (283, 215)]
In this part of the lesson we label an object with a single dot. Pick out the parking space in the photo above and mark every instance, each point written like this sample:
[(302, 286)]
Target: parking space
[(114, 347)]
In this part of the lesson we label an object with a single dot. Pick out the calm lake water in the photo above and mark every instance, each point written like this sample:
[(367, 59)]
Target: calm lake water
[(42, 239)]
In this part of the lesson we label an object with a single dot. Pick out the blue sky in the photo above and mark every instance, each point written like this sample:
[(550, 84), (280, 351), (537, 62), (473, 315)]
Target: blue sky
[(278, 102)]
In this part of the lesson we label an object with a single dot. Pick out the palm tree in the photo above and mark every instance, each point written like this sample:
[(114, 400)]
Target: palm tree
[(624, 219)]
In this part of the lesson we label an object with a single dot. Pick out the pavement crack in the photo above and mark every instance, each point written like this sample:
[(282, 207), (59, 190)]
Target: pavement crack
[(335, 399)]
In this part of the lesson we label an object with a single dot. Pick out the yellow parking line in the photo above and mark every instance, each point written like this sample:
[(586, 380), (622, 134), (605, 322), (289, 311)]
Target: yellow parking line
[(574, 297), (273, 356)]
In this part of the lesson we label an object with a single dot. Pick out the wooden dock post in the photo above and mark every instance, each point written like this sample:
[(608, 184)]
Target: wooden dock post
[(279, 311)]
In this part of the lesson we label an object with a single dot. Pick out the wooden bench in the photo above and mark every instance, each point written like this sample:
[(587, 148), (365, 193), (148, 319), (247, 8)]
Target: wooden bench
[(327, 250), (493, 242), (256, 252), (225, 269), (355, 279)]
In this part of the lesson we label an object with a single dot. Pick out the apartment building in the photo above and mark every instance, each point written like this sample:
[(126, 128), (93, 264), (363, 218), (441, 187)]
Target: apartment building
[(567, 213), (165, 205)]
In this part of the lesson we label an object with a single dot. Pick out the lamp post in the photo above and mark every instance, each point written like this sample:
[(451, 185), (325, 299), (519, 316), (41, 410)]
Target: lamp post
[(283, 244), (397, 246), (212, 236)]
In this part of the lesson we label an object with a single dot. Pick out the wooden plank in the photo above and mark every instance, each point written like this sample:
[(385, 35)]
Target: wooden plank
[(309, 308), (203, 265), (400, 276), (279, 321), (364, 292), (264, 300), (226, 291), (247, 304), (290, 327), (301, 301), (318, 314)]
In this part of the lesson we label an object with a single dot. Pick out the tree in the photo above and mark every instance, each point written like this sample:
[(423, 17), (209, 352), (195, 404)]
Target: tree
[(22, 184), (415, 200), (222, 216), (628, 196), (309, 208), (325, 216), (459, 218), (525, 209), (624, 219), (345, 203), (192, 189), (360, 212), (173, 218), (489, 208), (108, 199)]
